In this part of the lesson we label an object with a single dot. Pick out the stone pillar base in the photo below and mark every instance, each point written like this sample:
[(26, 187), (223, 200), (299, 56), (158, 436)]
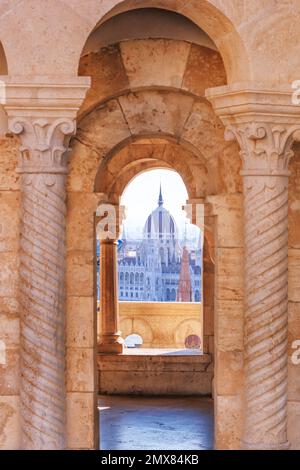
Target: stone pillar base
[(111, 345)]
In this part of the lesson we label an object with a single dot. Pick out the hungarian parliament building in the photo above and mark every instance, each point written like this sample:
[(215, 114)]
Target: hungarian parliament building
[(159, 267)]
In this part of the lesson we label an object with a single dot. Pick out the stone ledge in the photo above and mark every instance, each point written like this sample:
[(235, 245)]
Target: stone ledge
[(155, 375)]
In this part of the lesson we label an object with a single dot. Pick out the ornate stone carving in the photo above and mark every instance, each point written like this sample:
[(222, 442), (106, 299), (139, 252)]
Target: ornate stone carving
[(266, 316), (44, 143), (43, 164), (266, 152), (265, 148), (265, 122)]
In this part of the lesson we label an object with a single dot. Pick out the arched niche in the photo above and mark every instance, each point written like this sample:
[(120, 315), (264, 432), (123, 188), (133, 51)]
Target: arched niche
[(213, 23), (129, 160)]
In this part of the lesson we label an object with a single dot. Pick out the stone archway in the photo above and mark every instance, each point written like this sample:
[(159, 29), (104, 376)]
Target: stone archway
[(208, 17), (176, 118), (129, 159)]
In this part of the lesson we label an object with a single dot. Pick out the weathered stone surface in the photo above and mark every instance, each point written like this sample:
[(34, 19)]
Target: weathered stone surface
[(83, 164), (229, 285), (229, 324), (229, 211), (104, 128), (80, 221), (9, 221), (9, 179), (80, 273), (9, 373), (161, 325), (294, 278), (230, 165), (9, 423), (159, 62), (294, 200), (156, 112), (81, 415), (107, 72), (293, 335), (155, 375), (8, 274), (294, 323), (123, 165), (80, 325), (208, 320), (204, 130), (9, 326), (204, 70), (228, 424), (81, 367), (293, 424), (9, 306), (229, 373)]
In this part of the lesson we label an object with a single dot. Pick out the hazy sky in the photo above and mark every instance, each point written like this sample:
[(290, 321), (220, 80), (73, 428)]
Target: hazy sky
[(141, 198)]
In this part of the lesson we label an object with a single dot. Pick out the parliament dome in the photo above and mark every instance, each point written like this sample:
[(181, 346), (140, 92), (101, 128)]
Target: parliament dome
[(160, 224)]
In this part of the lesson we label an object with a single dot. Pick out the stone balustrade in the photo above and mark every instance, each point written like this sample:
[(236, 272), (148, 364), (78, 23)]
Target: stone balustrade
[(160, 324)]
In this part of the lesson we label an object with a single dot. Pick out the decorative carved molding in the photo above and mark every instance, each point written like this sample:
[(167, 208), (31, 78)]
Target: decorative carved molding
[(265, 148), (44, 143)]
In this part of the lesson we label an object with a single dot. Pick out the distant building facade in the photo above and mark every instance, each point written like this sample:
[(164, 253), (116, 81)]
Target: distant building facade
[(159, 268)]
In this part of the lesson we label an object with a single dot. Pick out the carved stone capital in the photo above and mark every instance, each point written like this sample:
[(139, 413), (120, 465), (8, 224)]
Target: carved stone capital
[(44, 143), (266, 149), (264, 122), (43, 113)]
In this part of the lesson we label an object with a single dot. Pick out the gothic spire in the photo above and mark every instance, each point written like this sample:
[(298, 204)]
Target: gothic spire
[(160, 199)]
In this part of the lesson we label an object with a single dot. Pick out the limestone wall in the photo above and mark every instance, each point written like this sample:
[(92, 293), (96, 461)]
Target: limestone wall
[(9, 307), (294, 303), (255, 32), (81, 321), (228, 315)]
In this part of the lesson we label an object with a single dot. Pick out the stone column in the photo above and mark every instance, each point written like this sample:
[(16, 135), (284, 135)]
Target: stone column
[(110, 340), (44, 129), (199, 213), (264, 124), (266, 156)]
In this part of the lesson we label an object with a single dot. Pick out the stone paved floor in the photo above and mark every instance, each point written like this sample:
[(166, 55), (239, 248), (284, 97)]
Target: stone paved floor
[(140, 423)]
